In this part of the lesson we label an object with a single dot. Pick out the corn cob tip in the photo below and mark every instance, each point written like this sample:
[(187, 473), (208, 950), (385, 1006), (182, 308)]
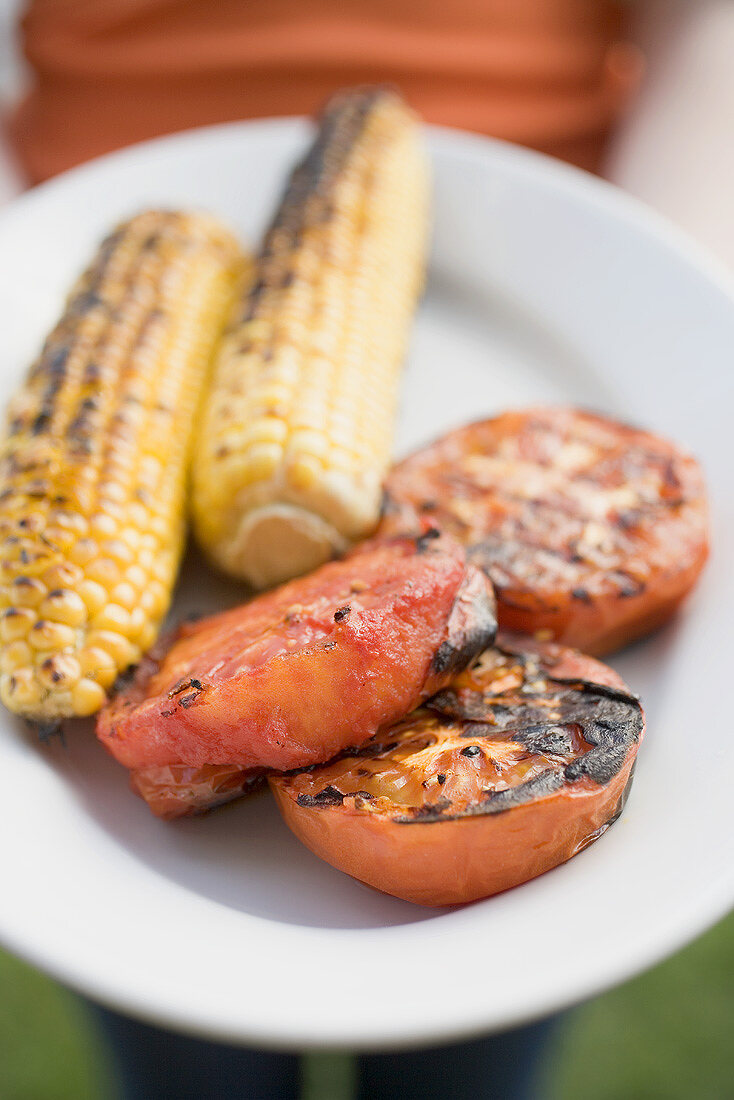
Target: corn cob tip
[(296, 430), (280, 541)]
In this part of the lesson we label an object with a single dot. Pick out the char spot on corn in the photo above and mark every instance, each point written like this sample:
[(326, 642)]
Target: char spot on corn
[(93, 462), (298, 427)]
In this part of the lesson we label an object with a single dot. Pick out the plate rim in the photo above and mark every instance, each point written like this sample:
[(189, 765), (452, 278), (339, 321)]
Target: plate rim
[(610, 200)]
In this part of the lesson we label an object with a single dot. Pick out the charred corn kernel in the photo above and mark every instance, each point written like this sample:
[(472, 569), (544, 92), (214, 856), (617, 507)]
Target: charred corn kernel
[(50, 636), (63, 605), (26, 592), (61, 669), (15, 623), (60, 538), (93, 465), (21, 689), (61, 574), (296, 431)]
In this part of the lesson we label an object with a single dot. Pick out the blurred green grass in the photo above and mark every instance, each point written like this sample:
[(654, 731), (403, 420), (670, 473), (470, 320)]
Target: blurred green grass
[(48, 1050), (665, 1036)]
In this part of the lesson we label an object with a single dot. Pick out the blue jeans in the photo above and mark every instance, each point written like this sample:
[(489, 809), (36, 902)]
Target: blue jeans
[(153, 1064)]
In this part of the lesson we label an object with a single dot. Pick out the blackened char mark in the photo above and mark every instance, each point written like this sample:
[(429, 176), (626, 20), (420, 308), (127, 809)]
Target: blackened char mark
[(499, 717), (609, 719), (329, 796), (433, 811), (308, 195), (389, 506), (472, 625), (423, 542), (622, 800), (184, 685), (472, 708), (549, 740), (607, 690)]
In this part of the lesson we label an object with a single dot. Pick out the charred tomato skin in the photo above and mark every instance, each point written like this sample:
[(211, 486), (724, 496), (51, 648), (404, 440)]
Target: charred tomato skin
[(298, 673), (592, 531), (442, 854)]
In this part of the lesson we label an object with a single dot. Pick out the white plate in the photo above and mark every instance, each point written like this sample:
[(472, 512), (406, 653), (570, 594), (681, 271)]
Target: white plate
[(545, 285)]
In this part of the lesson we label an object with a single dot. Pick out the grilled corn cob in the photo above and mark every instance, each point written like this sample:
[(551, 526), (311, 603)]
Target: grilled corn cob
[(93, 463), (297, 427)]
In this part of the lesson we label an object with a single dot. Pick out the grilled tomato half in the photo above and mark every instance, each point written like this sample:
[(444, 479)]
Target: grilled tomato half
[(294, 676), (591, 531), (525, 759)]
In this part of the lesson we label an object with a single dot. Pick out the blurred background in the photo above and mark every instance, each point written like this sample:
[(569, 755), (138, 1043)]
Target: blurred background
[(642, 92)]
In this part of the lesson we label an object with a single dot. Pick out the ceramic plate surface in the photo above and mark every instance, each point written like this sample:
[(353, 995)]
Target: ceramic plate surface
[(545, 285)]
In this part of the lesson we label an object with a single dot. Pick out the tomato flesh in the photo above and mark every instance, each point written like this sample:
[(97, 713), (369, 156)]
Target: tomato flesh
[(522, 761), (591, 531), (176, 790), (435, 762), (292, 677)]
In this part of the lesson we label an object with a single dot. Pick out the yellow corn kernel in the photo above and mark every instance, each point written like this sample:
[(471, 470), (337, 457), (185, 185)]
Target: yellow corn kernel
[(125, 595), (304, 471), (93, 595), (16, 655), (119, 648), (102, 526), (26, 592), (104, 571), (83, 551), (112, 617), (63, 606), (87, 696), (21, 690), (136, 576), (62, 574), (97, 664), (296, 429), (47, 635), (147, 635), (154, 600), (118, 551), (93, 468), (16, 623)]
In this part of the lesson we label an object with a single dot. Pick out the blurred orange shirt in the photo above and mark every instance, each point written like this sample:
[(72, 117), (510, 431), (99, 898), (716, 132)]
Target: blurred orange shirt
[(552, 74)]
